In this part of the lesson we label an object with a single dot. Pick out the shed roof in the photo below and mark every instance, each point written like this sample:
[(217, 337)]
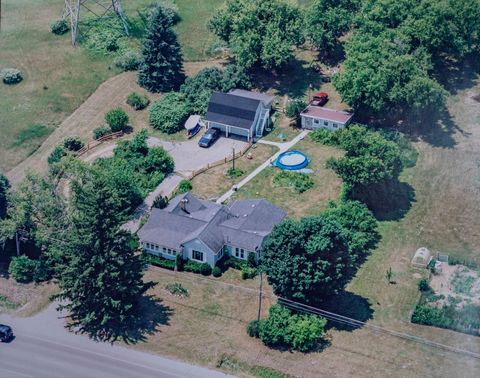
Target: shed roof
[(326, 114), (265, 98)]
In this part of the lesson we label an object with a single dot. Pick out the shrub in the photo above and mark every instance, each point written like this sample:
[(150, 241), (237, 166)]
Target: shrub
[(193, 266), (56, 155), (282, 327), (160, 261), (180, 263), (423, 285), (217, 272), (59, 27), (73, 143), (22, 268), (176, 288), (11, 75), (251, 260), (117, 119), (206, 269), (43, 272), (106, 37), (184, 186), (128, 61), (294, 108), (233, 172), (137, 102), (248, 273), (101, 131), (253, 328), (299, 182), (168, 113), (160, 202)]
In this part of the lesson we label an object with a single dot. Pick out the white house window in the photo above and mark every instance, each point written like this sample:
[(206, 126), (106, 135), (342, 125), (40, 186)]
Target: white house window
[(157, 248), (164, 250), (197, 255), (335, 125), (316, 121), (240, 253), (325, 123)]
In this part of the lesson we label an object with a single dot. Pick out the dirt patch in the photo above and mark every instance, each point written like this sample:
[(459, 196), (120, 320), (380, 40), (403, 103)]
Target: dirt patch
[(476, 97), (456, 283)]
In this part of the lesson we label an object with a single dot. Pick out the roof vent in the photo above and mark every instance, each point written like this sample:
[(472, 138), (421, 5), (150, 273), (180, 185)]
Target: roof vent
[(183, 205), (253, 205), (245, 215)]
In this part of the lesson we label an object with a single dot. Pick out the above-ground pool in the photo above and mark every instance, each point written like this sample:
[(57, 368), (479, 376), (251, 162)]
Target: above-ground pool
[(292, 160)]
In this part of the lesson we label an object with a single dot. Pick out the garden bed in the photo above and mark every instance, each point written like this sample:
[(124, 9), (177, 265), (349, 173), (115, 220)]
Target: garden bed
[(452, 301)]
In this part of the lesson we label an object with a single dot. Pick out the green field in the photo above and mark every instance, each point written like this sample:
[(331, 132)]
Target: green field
[(58, 77)]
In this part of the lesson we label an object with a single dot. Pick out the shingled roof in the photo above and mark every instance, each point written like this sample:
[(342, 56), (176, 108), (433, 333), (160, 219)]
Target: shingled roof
[(232, 110), (244, 224)]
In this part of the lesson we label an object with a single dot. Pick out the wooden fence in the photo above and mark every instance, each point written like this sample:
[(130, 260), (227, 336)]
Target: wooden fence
[(94, 143), (220, 162)]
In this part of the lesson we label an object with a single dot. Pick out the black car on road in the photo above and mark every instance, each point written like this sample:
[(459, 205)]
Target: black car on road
[(6, 333), (210, 136)]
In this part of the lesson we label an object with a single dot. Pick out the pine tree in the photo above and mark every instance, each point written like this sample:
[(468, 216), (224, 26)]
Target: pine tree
[(102, 280), (4, 186), (162, 67)]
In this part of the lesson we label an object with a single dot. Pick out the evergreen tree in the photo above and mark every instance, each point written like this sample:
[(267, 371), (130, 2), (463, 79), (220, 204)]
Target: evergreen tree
[(162, 67), (102, 279), (4, 186)]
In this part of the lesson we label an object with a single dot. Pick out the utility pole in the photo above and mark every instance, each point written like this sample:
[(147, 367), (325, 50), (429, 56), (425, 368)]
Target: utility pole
[(260, 296), (17, 242), (233, 157)]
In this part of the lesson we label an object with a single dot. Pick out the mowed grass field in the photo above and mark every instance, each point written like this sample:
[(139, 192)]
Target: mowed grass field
[(57, 77)]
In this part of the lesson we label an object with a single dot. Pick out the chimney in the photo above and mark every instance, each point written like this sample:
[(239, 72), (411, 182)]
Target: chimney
[(183, 205)]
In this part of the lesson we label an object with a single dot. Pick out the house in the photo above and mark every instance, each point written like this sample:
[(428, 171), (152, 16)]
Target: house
[(205, 231), (316, 117), (239, 112)]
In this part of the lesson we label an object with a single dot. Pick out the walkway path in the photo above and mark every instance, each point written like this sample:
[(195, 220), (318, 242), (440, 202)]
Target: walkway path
[(282, 148)]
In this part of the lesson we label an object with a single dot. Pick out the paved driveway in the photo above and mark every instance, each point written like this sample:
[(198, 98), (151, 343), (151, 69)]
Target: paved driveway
[(190, 157)]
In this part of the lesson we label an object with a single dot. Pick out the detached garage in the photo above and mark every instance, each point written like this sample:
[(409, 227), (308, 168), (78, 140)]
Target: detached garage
[(316, 117)]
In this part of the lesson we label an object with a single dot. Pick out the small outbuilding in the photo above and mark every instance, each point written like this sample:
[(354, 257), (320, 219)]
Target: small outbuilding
[(422, 258), (318, 117)]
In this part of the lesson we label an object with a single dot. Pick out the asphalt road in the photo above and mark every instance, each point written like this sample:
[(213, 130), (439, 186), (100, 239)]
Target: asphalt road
[(42, 348)]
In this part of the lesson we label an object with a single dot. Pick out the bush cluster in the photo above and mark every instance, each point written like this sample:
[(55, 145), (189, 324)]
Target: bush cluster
[(137, 102), (295, 107), (176, 288), (59, 27), (128, 61), (423, 285), (168, 113), (73, 144), (284, 328), (160, 202), (117, 119), (101, 131), (298, 182), (106, 38), (11, 75), (184, 186), (24, 269), (196, 267), (217, 272), (159, 261)]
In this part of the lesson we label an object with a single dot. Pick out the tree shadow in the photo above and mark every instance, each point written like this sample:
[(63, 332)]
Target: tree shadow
[(152, 314), (455, 75), (350, 305), (334, 56), (387, 201), (293, 79)]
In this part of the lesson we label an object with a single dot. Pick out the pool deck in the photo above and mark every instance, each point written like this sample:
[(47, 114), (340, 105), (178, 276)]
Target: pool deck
[(283, 147)]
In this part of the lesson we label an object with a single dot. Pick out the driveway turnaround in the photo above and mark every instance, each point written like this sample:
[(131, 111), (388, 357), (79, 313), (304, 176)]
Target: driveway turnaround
[(190, 157), (44, 349)]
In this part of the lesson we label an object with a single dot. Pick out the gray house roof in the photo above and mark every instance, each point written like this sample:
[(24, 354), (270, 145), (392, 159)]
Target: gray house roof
[(265, 98), (232, 110), (244, 224)]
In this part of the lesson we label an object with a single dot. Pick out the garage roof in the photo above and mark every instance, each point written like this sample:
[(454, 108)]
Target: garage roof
[(326, 114)]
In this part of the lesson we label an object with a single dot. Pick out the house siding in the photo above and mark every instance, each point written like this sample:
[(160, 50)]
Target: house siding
[(158, 250), (320, 123), (197, 245)]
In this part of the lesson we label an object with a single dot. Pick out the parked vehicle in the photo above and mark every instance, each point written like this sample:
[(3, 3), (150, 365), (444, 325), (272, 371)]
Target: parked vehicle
[(319, 99), (210, 136), (6, 333)]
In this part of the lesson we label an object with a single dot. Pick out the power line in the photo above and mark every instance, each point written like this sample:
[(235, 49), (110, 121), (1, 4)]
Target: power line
[(337, 317)]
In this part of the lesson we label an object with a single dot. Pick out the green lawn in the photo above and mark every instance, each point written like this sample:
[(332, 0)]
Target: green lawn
[(58, 77)]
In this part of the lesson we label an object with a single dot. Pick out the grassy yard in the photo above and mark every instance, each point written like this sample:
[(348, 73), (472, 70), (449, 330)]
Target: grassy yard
[(57, 77), (327, 184), (215, 181)]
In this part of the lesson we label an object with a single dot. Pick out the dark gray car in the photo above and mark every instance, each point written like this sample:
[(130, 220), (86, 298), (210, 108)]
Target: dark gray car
[(210, 136), (6, 333)]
